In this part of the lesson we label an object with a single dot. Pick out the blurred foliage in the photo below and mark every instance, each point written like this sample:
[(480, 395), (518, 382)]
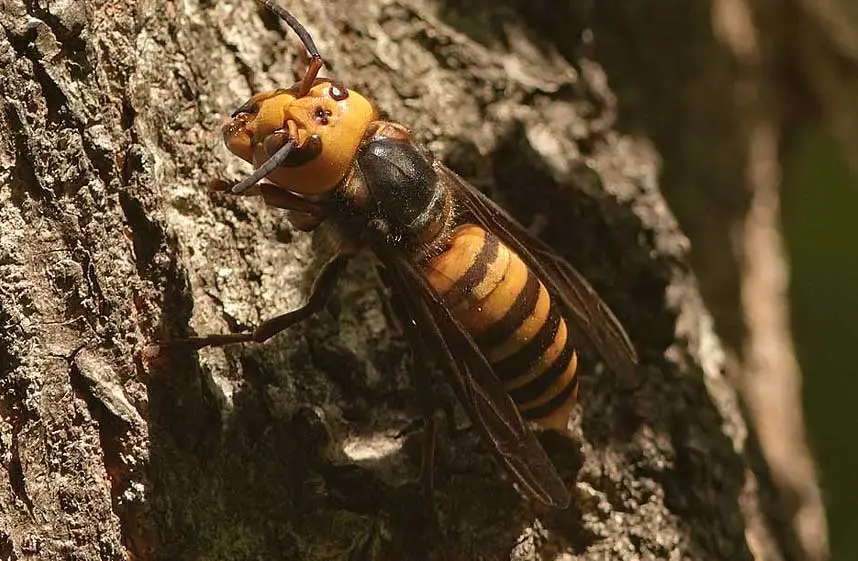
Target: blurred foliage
[(820, 209)]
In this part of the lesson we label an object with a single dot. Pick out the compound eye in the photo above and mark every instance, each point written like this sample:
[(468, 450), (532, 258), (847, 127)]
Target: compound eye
[(337, 92), (248, 107), (321, 115)]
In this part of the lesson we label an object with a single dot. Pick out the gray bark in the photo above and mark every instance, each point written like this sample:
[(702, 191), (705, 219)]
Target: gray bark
[(109, 241)]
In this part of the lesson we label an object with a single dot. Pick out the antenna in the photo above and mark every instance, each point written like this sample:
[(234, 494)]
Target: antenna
[(270, 165), (316, 61)]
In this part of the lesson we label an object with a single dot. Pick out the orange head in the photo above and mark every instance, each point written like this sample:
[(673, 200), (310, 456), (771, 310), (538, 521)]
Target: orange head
[(326, 126)]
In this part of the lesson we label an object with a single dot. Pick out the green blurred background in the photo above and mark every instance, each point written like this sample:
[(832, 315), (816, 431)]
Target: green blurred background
[(820, 212)]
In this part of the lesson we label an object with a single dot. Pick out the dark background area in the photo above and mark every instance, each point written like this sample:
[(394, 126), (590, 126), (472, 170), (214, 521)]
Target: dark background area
[(820, 201)]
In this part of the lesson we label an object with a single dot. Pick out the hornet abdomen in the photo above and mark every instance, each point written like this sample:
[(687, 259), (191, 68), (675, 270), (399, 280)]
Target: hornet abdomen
[(519, 328)]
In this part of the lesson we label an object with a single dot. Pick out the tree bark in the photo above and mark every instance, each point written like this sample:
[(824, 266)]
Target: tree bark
[(109, 241)]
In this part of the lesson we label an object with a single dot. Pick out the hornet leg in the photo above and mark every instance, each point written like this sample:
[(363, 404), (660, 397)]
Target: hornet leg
[(304, 214), (322, 289), (420, 377)]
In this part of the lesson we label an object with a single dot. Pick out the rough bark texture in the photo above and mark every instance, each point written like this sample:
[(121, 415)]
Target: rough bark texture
[(108, 133)]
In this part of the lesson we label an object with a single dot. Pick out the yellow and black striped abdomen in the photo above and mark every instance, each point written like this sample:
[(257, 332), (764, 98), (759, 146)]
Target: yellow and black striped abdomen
[(513, 319)]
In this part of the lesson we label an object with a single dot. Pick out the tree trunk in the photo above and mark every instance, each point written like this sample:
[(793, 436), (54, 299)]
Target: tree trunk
[(718, 88), (110, 241)]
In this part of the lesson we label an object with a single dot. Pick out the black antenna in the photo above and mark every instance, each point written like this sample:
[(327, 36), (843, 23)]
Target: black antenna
[(270, 164), (316, 61)]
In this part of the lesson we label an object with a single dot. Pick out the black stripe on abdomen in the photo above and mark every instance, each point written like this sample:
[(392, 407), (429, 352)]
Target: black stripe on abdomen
[(523, 307), (544, 380), (475, 274), (552, 404), (524, 358)]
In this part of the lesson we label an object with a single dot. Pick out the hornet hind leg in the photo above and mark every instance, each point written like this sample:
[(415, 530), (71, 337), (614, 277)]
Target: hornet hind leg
[(321, 292)]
